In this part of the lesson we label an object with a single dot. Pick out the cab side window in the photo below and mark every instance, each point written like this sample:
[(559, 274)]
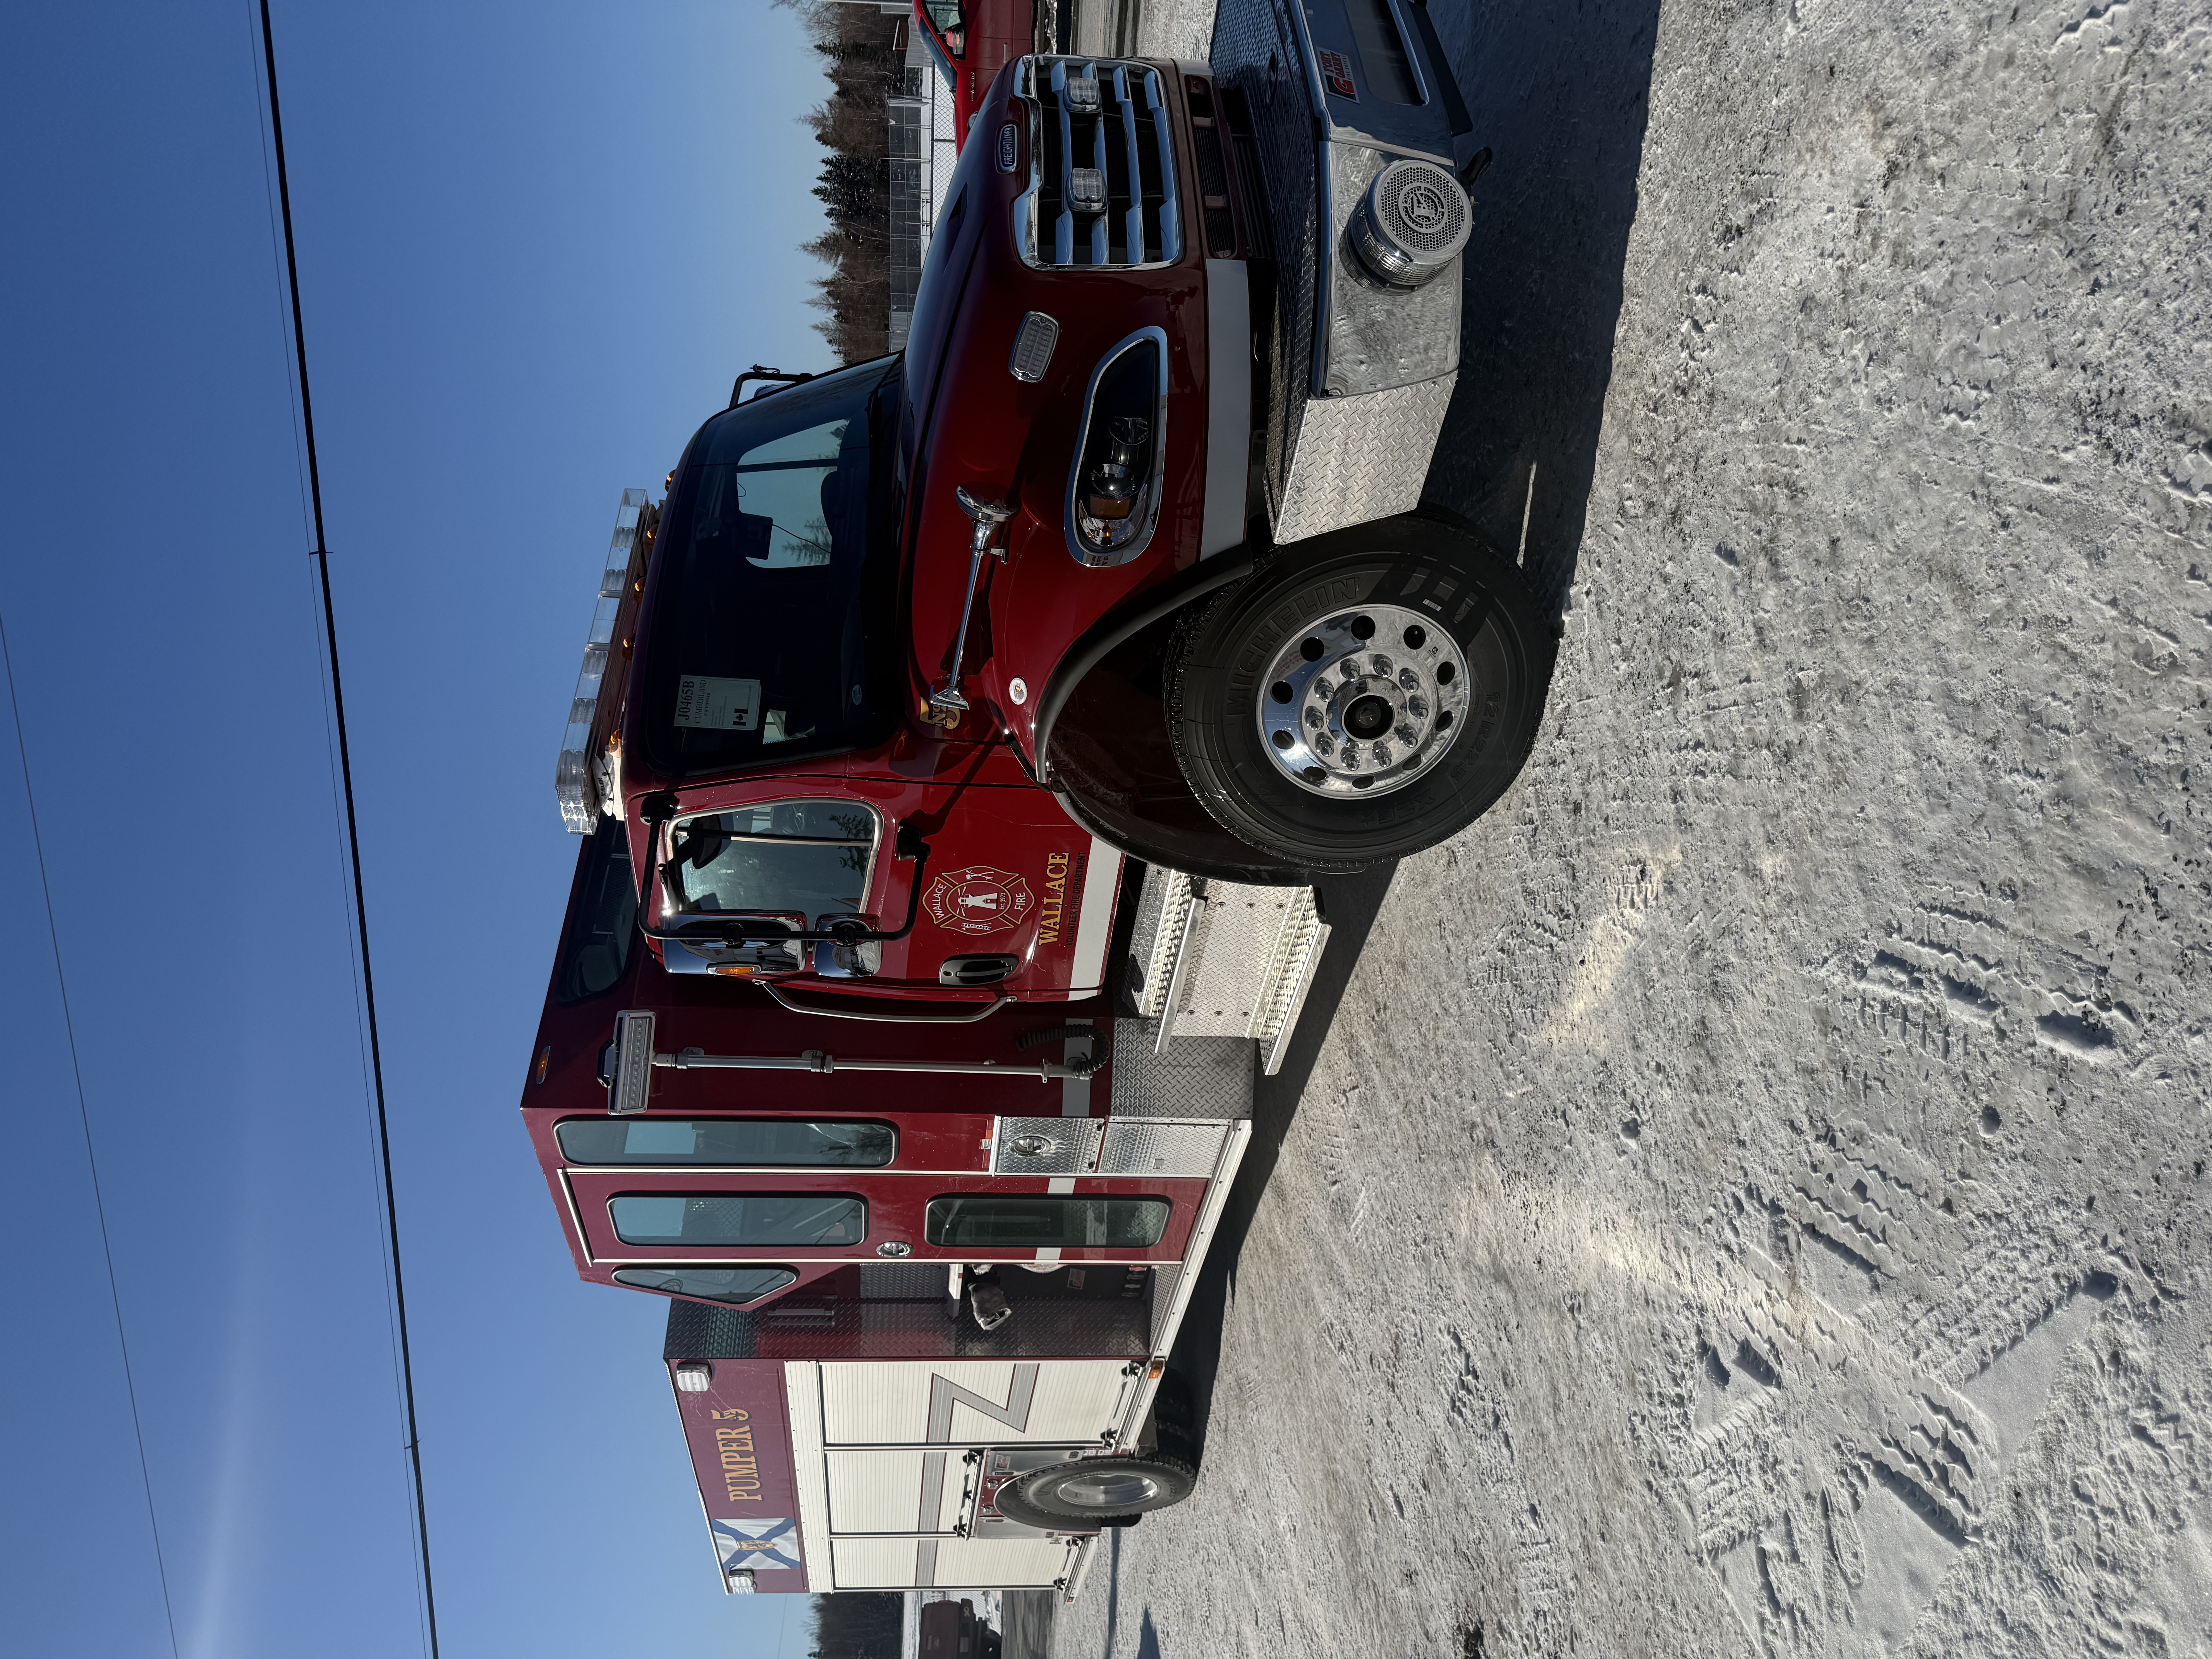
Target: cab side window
[(810, 857), (597, 948)]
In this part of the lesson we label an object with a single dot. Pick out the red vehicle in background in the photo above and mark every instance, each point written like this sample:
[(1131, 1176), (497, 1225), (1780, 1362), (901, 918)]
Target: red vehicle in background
[(972, 40)]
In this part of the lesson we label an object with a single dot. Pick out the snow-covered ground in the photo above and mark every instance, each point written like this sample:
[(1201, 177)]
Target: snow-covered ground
[(1752, 1196)]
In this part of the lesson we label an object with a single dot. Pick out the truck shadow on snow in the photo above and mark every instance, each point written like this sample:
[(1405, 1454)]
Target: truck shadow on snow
[(1559, 98), (1351, 904)]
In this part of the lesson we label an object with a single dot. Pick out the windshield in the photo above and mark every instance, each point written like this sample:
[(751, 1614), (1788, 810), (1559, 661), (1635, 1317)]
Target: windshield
[(770, 637), (805, 858), (947, 22)]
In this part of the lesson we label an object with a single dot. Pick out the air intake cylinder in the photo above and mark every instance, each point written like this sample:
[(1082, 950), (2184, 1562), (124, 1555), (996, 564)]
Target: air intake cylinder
[(1412, 223)]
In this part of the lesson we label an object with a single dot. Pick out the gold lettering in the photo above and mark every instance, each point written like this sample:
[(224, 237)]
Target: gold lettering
[(1055, 890)]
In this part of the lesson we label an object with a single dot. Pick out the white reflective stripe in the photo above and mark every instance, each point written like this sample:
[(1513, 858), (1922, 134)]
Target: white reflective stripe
[(1228, 405), (1061, 1184), (1051, 1253), (1102, 880)]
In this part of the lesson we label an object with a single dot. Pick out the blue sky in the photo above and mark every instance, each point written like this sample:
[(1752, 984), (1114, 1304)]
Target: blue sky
[(537, 242)]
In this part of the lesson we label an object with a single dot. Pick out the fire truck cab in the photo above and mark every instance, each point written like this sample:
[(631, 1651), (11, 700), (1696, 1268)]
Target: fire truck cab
[(1119, 557)]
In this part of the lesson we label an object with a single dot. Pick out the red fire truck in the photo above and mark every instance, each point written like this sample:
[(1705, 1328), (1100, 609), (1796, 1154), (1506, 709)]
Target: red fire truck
[(971, 41), (957, 743)]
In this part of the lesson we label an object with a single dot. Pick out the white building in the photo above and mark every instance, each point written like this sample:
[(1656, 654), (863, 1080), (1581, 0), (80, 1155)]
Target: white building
[(921, 157), (922, 151)]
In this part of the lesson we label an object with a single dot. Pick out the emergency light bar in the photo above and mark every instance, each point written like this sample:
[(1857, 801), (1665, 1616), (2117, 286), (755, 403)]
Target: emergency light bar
[(573, 783)]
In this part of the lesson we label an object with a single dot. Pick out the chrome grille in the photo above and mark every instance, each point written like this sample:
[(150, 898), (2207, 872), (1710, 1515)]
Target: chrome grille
[(1096, 121)]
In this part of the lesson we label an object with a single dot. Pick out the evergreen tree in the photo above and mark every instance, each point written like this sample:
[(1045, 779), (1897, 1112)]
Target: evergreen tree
[(857, 1626)]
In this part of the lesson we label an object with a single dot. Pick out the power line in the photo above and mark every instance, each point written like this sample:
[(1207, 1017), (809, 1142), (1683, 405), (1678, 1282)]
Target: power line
[(321, 554), (322, 686), (84, 1118)]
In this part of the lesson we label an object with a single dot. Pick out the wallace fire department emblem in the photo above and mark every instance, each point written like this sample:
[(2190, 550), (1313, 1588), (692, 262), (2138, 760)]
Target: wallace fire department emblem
[(978, 900)]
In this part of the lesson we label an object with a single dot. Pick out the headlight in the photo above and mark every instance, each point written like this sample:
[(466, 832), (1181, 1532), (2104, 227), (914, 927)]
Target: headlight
[(1114, 487)]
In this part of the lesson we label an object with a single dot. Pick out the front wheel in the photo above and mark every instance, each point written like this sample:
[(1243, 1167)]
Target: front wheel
[(1097, 1492), (1365, 696)]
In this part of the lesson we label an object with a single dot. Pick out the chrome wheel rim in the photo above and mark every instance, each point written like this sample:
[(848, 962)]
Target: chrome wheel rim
[(1108, 1489), (1364, 701)]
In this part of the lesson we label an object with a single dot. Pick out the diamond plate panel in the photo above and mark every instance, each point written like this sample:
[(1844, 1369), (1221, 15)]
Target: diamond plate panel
[(1071, 1146), (1198, 1076), (1144, 1146), (1230, 986), (1165, 1280), (1380, 338), (1160, 919), (1336, 461), (902, 1281), (1360, 458)]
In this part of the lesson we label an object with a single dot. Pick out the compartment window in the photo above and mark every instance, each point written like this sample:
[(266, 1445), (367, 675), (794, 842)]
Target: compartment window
[(992, 1221), (721, 1220), (743, 1142)]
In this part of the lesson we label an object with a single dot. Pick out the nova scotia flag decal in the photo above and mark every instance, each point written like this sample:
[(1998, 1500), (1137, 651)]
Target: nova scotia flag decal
[(757, 1544)]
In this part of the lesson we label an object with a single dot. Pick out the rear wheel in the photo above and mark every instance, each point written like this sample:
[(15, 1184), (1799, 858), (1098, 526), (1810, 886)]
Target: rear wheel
[(1363, 696), (1097, 1491)]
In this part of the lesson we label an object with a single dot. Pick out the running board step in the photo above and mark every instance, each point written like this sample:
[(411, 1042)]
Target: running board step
[(1227, 960)]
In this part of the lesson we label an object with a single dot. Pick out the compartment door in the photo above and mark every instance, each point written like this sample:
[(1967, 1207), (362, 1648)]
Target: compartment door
[(971, 1402), (948, 1562), (881, 1491)]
